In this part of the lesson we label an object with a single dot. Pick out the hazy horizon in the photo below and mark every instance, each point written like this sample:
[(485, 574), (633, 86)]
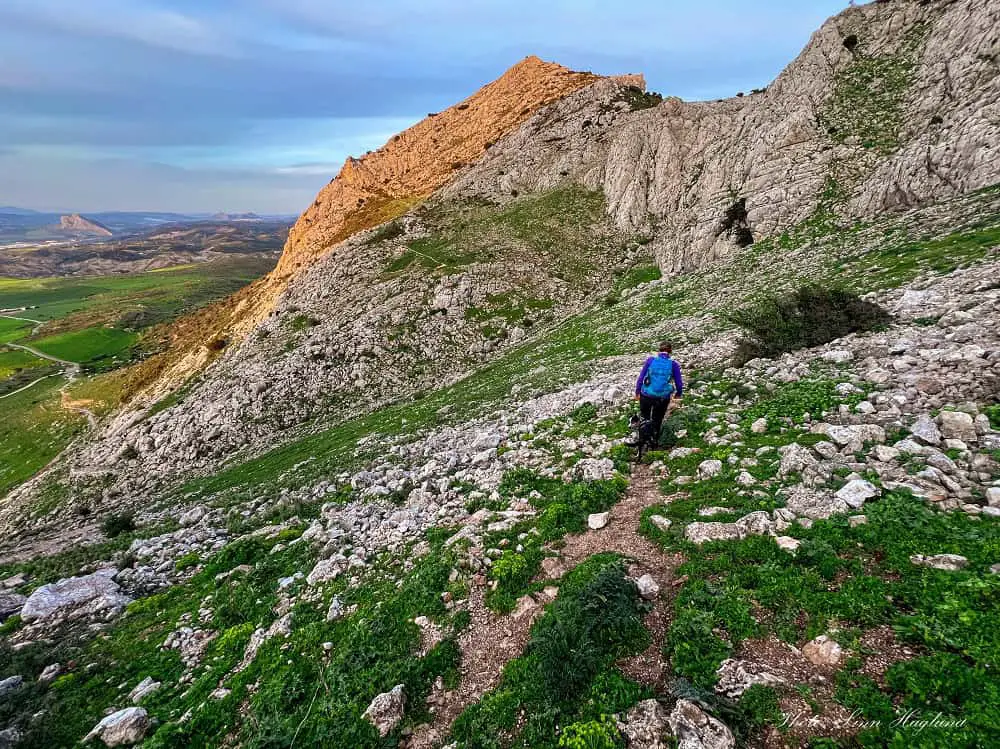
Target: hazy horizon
[(195, 106)]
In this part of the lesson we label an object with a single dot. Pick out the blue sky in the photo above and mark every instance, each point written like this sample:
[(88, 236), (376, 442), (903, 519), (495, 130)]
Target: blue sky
[(207, 105)]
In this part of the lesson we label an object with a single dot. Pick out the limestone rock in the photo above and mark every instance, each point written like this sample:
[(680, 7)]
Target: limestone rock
[(663, 524), (788, 543), (957, 425), (823, 651), (143, 689), (946, 562), (645, 725), (87, 595), (737, 676), (386, 710), (597, 520), (709, 468), (10, 604), (925, 430), (648, 589), (122, 728), (696, 729), (10, 684), (856, 492)]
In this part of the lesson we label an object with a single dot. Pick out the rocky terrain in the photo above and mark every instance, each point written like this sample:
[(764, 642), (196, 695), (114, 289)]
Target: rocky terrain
[(395, 509)]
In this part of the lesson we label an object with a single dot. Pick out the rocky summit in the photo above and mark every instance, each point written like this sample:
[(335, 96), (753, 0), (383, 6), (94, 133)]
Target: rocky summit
[(387, 495)]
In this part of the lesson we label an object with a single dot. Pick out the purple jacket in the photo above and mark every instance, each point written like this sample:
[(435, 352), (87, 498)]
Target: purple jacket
[(678, 382)]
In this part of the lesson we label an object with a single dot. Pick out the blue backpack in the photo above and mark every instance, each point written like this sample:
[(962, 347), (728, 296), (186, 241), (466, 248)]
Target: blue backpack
[(658, 382)]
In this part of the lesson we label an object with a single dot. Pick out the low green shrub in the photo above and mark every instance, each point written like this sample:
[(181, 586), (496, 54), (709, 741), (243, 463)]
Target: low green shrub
[(117, 524), (810, 316)]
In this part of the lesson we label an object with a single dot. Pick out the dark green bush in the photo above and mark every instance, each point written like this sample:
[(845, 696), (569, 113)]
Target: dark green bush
[(116, 524), (811, 316)]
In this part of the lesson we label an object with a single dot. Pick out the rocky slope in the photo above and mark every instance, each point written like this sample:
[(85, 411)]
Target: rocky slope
[(368, 191), (849, 131)]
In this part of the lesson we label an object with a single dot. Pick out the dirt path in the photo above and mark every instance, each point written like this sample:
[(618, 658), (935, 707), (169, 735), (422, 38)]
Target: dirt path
[(43, 355), (38, 323), (622, 535), (492, 640), (33, 382)]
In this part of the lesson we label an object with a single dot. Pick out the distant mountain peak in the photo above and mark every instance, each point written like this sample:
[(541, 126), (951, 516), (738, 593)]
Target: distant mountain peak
[(77, 224)]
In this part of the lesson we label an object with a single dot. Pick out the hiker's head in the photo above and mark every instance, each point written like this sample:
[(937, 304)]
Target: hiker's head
[(666, 348)]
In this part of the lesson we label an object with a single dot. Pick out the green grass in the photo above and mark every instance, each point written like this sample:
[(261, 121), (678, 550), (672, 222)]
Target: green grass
[(11, 330), (16, 360), (33, 430), (868, 93), (88, 345), (164, 293), (290, 692)]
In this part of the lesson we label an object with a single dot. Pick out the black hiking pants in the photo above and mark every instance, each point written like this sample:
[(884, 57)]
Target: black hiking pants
[(653, 409)]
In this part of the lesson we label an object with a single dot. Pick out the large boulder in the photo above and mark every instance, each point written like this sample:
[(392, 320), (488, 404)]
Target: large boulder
[(386, 711), (957, 425), (76, 596), (123, 728)]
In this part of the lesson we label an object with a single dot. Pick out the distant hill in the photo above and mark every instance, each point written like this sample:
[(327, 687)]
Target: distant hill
[(77, 224)]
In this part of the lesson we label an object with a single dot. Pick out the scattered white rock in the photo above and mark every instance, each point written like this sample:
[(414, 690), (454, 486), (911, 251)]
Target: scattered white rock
[(696, 729), (660, 523), (386, 711), (96, 594), (787, 543), (823, 651), (925, 430), (122, 728), (736, 676), (856, 492), (759, 426), (946, 562), (645, 725), (144, 688), (957, 425), (709, 468), (648, 588), (597, 520)]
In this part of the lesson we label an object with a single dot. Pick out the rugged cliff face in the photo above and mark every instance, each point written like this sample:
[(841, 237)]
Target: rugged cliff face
[(889, 106)]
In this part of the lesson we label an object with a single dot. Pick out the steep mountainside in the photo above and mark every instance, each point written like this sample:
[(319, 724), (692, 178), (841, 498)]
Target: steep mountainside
[(890, 105), (370, 190)]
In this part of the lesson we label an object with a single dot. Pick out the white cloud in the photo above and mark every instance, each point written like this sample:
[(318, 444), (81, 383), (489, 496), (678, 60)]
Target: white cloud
[(134, 20)]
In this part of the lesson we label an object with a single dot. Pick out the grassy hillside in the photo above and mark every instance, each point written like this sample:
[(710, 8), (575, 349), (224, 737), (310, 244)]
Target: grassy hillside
[(101, 323)]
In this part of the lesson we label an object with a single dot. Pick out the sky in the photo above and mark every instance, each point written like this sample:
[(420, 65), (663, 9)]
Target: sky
[(253, 105)]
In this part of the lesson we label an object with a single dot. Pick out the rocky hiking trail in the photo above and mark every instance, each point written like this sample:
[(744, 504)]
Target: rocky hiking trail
[(492, 640)]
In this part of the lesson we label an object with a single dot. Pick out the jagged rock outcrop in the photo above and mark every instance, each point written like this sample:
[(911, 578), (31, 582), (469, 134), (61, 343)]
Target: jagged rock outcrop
[(889, 106), (368, 191)]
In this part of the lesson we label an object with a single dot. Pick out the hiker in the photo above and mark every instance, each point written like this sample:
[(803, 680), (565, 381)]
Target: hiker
[(659, 380)]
